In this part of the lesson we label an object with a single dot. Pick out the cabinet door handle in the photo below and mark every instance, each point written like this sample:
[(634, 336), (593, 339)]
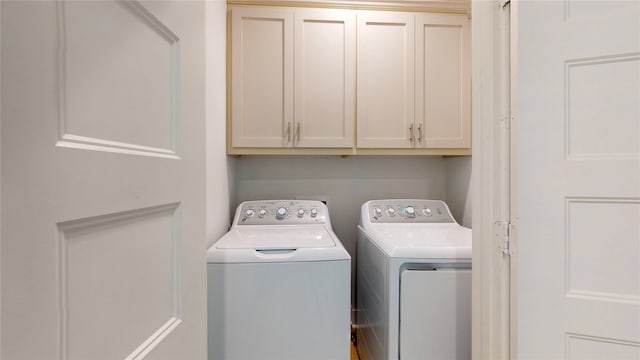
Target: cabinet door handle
[(411, 138), (420, 133), (287, 133), (298, 133)]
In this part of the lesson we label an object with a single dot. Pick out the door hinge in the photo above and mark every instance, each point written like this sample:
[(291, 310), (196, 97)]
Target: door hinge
[(502, 232), (505, 122)]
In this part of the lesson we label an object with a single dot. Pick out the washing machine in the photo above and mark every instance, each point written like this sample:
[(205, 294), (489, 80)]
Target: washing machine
[(413, 282), (279, 285)]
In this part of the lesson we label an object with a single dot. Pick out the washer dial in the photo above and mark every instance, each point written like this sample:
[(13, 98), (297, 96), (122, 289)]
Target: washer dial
[(409, 211)]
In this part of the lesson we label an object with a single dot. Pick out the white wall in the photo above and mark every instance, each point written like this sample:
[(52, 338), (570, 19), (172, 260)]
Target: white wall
[(220, 171), (458, 188)]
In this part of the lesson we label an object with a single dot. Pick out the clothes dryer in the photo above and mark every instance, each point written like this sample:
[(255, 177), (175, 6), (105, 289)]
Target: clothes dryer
[(413, 282), (279, 285)]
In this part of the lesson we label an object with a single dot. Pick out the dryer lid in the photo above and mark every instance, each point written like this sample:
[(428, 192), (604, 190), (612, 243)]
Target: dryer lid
[(277, 237), (446, 241)]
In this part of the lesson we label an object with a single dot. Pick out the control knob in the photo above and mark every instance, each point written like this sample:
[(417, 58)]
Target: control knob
[(314, 212), (377, 212), (281, 213), (409, 212), (300, 212), (262, 213), (249, 213), (426, 212), (391, 211)]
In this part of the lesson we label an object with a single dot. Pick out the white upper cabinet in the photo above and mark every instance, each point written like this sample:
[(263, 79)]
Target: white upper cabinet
[(293, 77), (262, 77), (385, 79), (293, 82), (443, 81), (414, 82), (325, 68)]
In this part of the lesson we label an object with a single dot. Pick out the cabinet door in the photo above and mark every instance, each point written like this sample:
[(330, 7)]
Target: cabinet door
[(385, 79), (262, 77), (443, 81), (325, 43)]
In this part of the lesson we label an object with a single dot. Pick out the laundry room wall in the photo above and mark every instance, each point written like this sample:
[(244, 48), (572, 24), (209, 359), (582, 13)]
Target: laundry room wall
[(220, 170), (458, 188)]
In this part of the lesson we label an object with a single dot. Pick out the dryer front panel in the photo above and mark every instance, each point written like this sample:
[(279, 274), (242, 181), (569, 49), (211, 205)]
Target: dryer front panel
[(435, 313)]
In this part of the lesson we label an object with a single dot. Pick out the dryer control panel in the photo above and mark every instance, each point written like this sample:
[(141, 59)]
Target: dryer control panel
[(409, 211), (281, 212)]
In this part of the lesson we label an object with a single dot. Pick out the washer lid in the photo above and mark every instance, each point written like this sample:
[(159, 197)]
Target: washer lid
[(277, 237)]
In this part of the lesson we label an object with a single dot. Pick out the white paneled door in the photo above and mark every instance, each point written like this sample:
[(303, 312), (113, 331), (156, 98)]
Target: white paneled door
[(103, 180), (578, 152)]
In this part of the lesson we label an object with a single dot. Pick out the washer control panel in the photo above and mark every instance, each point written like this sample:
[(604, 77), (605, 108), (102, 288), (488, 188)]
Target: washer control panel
[(409, 211), (281, 212)]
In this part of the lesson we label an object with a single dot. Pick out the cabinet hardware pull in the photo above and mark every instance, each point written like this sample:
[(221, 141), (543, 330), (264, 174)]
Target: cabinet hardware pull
[(420, 133), (411, 138), (288, 132), (298, 133)]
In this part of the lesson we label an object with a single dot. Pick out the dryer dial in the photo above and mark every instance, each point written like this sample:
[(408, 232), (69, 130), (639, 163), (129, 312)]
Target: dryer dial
[(281, 213)]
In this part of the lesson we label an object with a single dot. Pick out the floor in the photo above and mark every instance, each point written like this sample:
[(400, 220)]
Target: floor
[(354, 353)]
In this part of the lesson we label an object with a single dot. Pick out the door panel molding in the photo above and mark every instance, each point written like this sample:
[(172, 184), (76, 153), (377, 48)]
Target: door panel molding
[(93, 249), (85, 99)]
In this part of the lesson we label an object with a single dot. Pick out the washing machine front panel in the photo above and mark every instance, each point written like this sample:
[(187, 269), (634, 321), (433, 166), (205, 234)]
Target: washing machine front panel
[(279, 311)]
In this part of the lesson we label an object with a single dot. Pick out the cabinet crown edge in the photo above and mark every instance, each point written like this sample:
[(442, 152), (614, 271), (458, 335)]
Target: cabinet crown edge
[(435, 6)]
